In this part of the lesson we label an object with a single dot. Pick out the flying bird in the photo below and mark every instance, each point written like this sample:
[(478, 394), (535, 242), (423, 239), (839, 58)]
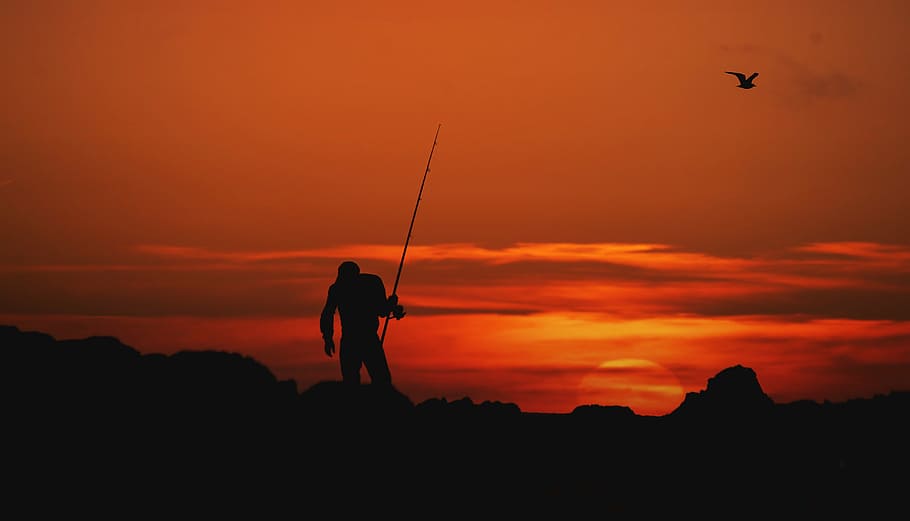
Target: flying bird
[(744, 82)]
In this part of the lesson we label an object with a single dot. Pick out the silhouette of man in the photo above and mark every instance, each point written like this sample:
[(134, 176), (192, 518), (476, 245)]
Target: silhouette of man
[(360, 300)]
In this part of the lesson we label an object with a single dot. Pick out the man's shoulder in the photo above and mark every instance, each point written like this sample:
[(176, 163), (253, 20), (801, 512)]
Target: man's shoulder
[(371, 280), (337, 290)]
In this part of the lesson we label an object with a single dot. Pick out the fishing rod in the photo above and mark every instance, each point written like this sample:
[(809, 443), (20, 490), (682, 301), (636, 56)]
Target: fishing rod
[(407, 240)]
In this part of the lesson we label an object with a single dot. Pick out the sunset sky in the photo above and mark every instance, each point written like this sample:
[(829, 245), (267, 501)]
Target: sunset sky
[(607, 218)]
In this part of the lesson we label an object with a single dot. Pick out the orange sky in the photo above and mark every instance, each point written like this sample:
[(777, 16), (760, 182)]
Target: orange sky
[(606, 212)]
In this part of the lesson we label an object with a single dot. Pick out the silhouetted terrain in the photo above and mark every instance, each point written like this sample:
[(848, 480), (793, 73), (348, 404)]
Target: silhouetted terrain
[(94, 427)]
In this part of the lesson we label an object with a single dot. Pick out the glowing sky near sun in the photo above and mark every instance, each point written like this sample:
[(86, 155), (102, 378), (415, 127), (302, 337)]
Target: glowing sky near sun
[(605, 210), (534, 324)]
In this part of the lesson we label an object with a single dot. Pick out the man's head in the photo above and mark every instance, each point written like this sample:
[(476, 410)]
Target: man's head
[(348, 270)]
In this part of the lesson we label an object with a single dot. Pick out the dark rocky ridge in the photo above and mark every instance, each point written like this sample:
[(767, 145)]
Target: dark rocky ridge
[(218, 430)]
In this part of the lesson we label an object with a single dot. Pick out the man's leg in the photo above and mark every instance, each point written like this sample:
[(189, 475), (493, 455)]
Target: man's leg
[(349, 356), (375, 361)]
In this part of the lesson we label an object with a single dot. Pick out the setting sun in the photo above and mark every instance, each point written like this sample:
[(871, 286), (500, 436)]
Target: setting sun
[(644, 386)]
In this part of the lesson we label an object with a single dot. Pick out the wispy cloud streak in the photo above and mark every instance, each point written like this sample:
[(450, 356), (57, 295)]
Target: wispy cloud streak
[(834, 280)]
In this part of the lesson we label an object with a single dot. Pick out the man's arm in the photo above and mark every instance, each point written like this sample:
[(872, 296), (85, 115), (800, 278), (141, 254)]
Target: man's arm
[(387, 305), (327, 322)]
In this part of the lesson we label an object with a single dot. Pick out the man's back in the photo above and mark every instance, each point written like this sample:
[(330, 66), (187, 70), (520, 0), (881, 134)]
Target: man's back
[(360, 301)]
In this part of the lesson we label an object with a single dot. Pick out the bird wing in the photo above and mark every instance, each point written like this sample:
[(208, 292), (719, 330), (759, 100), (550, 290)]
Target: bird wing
[(741, 76), (750, 78)]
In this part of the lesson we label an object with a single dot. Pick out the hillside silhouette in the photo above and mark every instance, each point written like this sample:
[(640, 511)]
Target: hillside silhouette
[(92, 425)]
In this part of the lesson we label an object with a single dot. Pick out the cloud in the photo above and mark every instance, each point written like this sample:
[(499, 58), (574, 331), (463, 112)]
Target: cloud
[(553, 252), (804, 83), (649, 256), (860, 304), (860, 280), (866, 250), (825, 85)]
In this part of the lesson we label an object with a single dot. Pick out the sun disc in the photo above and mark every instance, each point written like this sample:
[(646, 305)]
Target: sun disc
[(646, 387)]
